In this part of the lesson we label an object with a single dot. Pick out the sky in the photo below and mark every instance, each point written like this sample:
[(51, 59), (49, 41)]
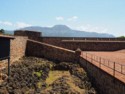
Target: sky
[(102, 16)]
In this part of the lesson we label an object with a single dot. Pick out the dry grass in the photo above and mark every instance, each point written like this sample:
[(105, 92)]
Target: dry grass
[(70, 81), (53, 75)]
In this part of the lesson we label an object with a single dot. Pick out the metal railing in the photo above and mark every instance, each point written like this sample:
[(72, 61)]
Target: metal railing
[(103, 62), (96, 39)]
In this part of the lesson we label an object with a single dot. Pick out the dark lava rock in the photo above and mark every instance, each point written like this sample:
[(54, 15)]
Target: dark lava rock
[(64, 66), (29, 71), (22, 75)]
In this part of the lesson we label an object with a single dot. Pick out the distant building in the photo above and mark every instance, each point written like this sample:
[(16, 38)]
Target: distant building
[(28, 33)]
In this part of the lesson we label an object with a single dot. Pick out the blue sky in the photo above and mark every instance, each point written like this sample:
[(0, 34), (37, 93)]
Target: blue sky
[(103, 16)]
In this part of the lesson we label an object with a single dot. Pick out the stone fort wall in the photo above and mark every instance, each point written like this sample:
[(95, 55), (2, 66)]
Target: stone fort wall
[(72, 43), (27, 33), (86, 44), (51, 52), (17, 48), (106, 84)]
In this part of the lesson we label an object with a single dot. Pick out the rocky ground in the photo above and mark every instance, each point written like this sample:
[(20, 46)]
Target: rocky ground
[(32, 75)]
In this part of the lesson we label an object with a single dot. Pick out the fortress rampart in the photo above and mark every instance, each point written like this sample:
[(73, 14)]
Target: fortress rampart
[(17, 48), (87, 44), (61, 49), (72, 43)]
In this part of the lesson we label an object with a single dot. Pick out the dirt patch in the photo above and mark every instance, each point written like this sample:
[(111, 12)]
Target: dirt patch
[(114, 56), (53, 75), (62, 82)]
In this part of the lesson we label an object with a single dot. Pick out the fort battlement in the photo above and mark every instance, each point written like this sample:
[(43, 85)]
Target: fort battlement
[(28, 33), (72, 43)]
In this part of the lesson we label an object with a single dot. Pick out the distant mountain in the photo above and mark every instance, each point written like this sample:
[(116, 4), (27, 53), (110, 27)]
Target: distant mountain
[(65, 31), (9, 32)]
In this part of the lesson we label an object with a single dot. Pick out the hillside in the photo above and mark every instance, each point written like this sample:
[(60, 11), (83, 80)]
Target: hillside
[(64, 31), (10, 32)]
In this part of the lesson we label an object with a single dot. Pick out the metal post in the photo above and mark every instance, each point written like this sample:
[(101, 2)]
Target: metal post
[(91, 58), (0, 74), (121, 68), (86, 56), (114, 70), (8, 67), (108, 63), (104, 61), (100, 63)]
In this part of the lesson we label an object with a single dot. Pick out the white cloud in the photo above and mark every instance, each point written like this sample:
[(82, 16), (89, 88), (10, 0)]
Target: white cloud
[(15, 25), (60, 18), (21, 25), (73, 18), (7, 23), (91, 28)]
